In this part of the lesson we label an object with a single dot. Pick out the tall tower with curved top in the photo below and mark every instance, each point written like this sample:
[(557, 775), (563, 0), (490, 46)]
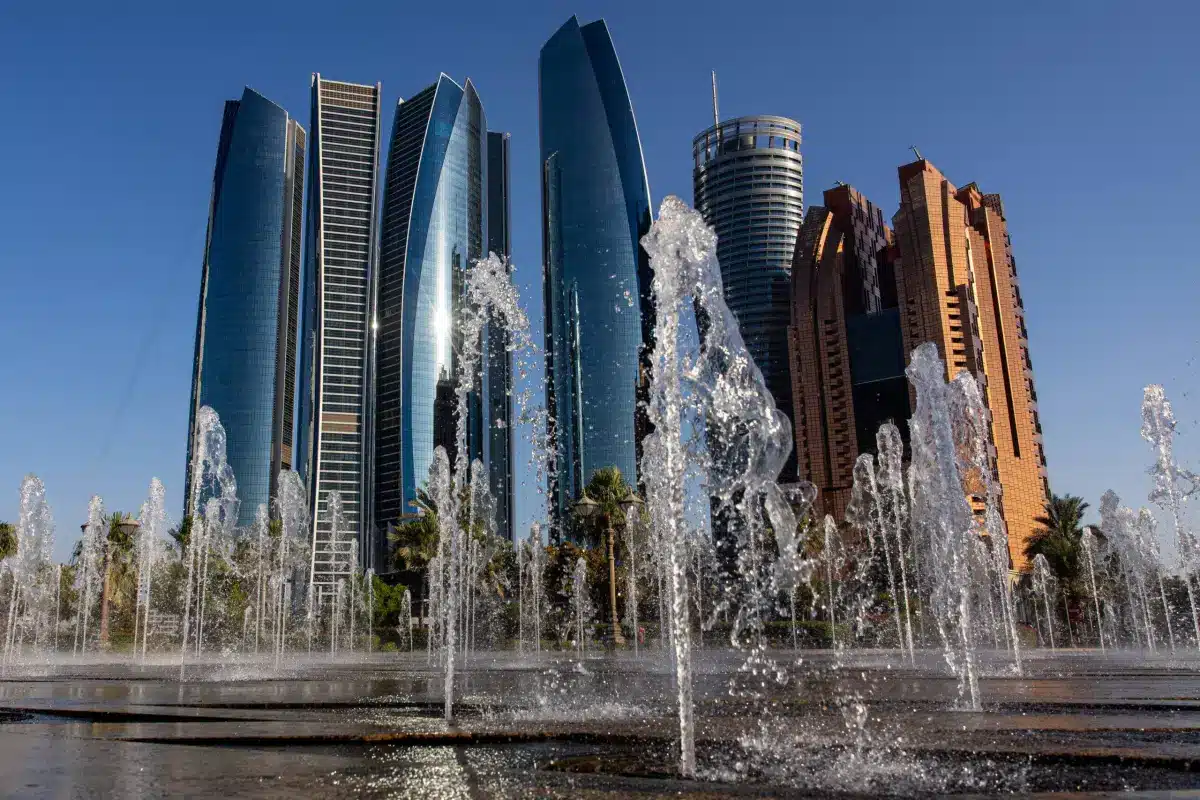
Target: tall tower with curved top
[(433, 228), (245, 361), (595, 209), (748, 182)]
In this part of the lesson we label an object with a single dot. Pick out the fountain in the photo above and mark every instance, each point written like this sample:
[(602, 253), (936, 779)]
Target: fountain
[(30, 572), (495, 706), (1173, 485), (1043, 587)]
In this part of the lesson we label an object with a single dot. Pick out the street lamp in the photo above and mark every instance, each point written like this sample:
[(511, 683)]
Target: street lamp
[(589, 509)]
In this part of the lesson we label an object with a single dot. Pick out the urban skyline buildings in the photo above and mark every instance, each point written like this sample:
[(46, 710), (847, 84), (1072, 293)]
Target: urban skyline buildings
[(497, 388), (847, 357), (376, 369), (340, 249), (957, 286), (246, 326), (596, 276), (748, 184), (434, 226)]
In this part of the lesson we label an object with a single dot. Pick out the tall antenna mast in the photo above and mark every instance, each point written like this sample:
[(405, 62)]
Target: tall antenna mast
[(716, 115)]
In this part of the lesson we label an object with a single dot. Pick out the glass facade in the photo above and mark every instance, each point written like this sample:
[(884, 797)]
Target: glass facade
[(497, 372), (434, 216), (595, 208), (245, 359), (336, 347), (748, 182)]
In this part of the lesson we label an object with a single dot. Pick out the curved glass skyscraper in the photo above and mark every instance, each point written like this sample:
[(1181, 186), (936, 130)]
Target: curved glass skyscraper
[(245, 361), (595, 208), (433, 228), (748, 181)]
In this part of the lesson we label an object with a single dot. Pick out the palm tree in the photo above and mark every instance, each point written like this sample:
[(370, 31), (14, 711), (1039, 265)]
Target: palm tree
[(8, 540), (1059, 536), (118, 558), (182, 535), (604, 504), (416, 535)]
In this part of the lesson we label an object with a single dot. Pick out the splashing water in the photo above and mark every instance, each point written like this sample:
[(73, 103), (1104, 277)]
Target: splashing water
[(148, 547), (971, 422), (213, 482), (1173, 485), (942, 518), (31, 595), (1043, 586), (1089, 546), (292, 554), (581, 606), (894, 506), (743, 424), (89, 571)]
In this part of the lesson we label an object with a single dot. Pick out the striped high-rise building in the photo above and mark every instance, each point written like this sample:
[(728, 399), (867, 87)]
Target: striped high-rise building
[(337, 343)]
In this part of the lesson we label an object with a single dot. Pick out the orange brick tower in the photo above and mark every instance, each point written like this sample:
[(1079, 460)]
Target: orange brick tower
[(956, 283)]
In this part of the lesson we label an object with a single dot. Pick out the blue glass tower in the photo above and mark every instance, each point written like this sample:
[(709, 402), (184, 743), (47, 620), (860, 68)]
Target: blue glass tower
[(245, 360), (595, 208), (433, 227), (497, 367)]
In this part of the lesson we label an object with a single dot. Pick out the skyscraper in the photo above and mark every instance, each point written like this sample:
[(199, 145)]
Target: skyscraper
[(497, 368), (595, 209), (335, 416), (847, 356), (245, 360), (957, 286), (748, 183), (433, 228)]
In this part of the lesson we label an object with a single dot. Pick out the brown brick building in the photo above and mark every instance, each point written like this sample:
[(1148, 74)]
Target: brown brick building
[(861, 294), (957, 286), (847, 356)]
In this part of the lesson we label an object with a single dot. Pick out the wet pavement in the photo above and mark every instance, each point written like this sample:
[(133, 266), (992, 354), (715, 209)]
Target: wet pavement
[(600, 726)]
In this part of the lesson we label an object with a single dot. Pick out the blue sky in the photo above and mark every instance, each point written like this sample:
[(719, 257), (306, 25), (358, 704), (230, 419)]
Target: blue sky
[(1082, 115)]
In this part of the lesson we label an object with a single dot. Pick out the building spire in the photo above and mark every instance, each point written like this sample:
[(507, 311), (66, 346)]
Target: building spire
[(716, 114)]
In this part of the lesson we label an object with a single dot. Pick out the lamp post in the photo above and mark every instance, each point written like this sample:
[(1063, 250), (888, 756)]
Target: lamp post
[(587, 508)]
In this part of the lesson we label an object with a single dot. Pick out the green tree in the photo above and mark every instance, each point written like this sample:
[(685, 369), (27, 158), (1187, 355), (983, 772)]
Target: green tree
[(602, 507), (182, 535), (119, 578), (1059, 538), (8, 540), (416, 535)]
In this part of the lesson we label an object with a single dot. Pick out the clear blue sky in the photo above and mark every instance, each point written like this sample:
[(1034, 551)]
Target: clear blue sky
[(1083, 115)]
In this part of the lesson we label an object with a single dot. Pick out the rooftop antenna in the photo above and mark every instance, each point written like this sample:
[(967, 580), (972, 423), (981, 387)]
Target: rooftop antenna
[(916, 152), (716, 115)]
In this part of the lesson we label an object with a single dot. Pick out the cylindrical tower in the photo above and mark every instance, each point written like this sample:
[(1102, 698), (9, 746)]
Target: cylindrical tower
[(748, 182)]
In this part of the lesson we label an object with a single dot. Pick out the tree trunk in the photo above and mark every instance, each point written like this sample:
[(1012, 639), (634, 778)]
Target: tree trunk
[(105, 592)]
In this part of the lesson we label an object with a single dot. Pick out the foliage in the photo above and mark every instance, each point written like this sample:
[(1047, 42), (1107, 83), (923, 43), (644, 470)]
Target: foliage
[(388, 602), (182, 534), (606, 489), (1059, 538), (8, 540), (415, 537)]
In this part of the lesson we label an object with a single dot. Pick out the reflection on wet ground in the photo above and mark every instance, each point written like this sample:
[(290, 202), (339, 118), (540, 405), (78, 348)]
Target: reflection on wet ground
[(601, 727)]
